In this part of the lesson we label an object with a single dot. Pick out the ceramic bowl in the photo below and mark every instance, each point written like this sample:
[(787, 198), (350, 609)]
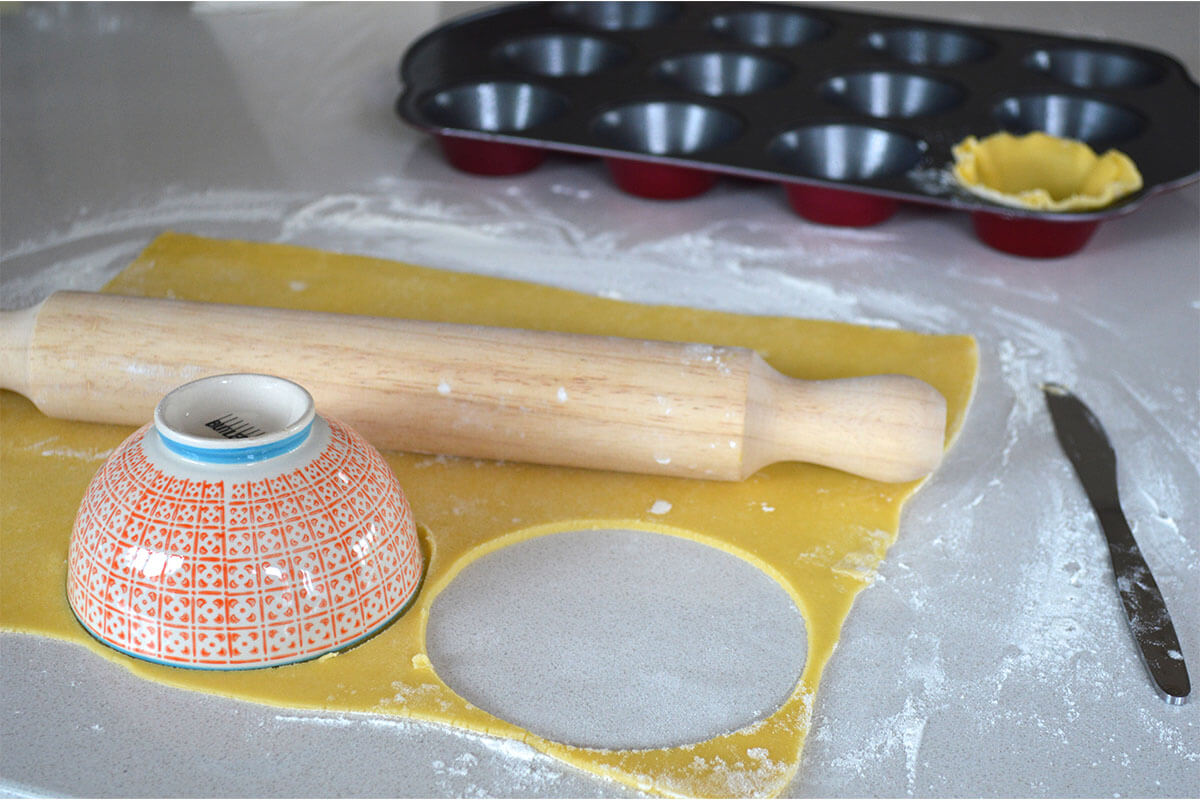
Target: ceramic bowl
[(241, 529)]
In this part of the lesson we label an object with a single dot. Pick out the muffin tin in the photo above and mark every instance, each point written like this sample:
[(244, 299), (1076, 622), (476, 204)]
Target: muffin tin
[(852, 113)]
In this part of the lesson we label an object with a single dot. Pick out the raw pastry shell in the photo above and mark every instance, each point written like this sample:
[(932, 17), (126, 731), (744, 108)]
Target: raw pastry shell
[(1042, 172)]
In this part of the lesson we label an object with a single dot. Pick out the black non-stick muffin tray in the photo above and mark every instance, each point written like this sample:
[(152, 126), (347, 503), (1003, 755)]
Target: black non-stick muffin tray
[(852, 113)]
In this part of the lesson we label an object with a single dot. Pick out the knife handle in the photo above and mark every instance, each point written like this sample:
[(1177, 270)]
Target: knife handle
[(662, 408), (1145, 609)]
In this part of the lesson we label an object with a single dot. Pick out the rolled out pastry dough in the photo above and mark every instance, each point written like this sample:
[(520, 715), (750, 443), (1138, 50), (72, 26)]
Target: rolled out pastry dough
[(822, 541)]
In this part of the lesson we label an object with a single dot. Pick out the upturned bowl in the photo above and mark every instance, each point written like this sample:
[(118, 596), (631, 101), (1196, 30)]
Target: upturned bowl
[(241, 529)]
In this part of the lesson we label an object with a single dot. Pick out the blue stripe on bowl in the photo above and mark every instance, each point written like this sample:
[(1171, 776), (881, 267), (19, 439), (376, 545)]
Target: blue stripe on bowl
[(236, 455)]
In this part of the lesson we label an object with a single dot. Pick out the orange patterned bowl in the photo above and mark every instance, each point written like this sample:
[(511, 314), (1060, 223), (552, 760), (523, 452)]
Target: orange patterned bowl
[(241, 530)]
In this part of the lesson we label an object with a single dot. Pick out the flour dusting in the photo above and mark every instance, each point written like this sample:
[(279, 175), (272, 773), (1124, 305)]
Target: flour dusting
[(660, 507), (465, 774)]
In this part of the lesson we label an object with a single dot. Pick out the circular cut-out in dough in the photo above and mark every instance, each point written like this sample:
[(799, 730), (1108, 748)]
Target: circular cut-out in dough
[(618, 639)]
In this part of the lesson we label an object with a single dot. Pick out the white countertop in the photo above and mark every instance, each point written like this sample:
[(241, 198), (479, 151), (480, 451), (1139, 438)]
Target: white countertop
[(990, 657)]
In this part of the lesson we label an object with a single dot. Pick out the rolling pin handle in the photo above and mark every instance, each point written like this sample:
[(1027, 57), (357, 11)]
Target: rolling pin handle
[(885, 427), (16, 337)]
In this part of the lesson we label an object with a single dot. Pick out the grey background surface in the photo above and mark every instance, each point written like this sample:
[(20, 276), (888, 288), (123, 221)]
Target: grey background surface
[(990, 656)]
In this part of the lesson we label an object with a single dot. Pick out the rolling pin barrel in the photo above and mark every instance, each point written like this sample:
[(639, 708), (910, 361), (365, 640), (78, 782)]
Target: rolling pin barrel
[(685, 410)]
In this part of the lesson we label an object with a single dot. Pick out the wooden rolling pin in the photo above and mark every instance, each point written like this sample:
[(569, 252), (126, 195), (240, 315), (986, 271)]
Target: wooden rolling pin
[(662, 408)]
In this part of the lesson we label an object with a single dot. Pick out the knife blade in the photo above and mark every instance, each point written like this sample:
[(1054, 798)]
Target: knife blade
[(1085, 443)]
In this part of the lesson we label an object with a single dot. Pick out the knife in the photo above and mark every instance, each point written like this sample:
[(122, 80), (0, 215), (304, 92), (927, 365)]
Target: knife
[(1083, 440)]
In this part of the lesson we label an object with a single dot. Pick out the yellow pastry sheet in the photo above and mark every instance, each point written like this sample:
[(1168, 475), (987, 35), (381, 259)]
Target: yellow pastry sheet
[(822, 542)]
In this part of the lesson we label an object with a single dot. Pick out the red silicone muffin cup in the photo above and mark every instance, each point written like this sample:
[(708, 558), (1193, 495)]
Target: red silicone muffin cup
[(481, 157), (659, 181), (1032, 237), (838, 206)]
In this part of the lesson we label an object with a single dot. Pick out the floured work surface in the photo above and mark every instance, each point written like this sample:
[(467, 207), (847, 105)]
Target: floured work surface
[(818, 532)]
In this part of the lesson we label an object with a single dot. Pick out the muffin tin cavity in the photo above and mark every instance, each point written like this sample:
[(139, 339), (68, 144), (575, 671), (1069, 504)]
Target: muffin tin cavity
[(723, 73), (855, 108), (770, 27), (930, 46), (885, 95), (666, 128), (616, 16), (1102, 125), (845, 152), (498, 106), (1095, 69), (561, 54)]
